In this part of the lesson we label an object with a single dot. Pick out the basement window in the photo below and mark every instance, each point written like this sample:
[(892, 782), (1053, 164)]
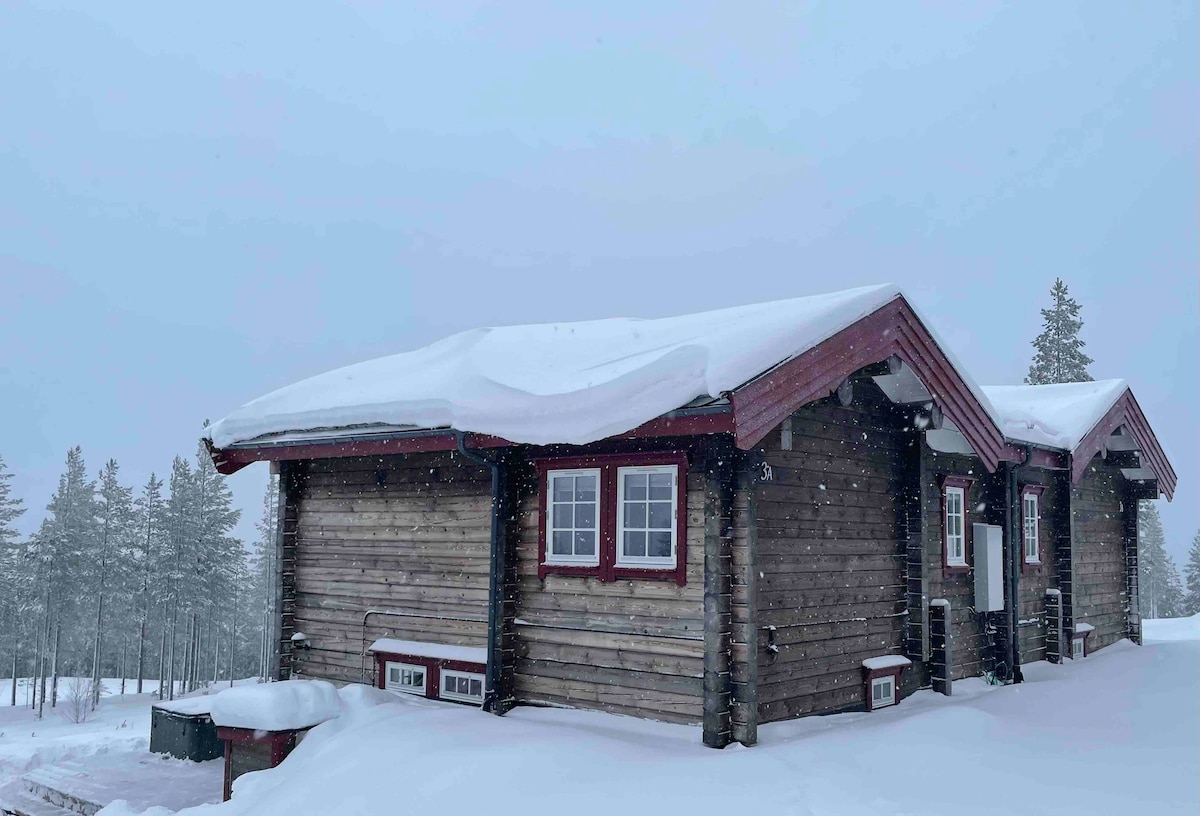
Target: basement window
[(465, 687), (406, 677), (883, 692)]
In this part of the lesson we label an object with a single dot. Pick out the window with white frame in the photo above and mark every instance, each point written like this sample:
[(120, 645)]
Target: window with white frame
[(1077, 647), (883, 691), (573, 517), (405, 677), (646, 511), (1031, 514), (466, 687), (955, 533)]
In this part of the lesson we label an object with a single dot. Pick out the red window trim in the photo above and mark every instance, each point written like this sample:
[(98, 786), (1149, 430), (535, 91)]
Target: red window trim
[(1032, 490), (608, 464), (948, 568), (433, 671)]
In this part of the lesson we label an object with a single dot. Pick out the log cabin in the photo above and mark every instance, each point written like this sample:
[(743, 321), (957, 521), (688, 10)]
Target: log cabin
[(725, 519)]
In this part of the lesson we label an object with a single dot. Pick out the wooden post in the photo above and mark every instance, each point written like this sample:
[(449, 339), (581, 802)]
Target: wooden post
[(1054, 626), (1129, 543), (744, 599), (718, 498), (941, 658)]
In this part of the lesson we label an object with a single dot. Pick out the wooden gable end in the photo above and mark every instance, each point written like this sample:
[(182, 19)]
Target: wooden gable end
[(765, 401), (1128, 414)]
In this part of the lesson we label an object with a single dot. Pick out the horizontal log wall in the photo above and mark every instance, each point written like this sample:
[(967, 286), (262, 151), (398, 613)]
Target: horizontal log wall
[(986, 505), (405, 533), (1100, 592), (830, 553), (629, 646), (1035, 580)]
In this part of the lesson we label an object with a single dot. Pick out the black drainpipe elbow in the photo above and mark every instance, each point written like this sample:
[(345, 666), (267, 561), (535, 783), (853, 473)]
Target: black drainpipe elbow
[(1016, 544), (497, 567)]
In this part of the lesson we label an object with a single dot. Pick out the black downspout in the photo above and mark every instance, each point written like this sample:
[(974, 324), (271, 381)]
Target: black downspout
[(1016, 539), (498, 566)]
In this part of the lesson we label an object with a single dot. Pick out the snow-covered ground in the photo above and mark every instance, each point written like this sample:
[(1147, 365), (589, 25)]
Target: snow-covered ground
[(1114, 733)]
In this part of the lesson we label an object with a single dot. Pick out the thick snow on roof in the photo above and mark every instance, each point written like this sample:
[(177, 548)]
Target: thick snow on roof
[(1057, 416), (556, 382), (276, 706), (440, 651)]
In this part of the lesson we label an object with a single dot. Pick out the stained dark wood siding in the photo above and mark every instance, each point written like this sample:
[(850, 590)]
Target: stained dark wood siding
[(1100, 592), (1035, 580), (830, 554), (405, 533), (986, 505)]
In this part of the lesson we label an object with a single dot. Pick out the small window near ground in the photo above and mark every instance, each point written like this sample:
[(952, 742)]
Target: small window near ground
[(405, 677), (883, 691), (1077, 647), (463, 686), (646, 516), (956, 525), (1031, 515), (573, 517)]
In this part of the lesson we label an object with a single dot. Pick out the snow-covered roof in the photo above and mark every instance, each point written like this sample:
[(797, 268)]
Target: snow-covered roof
[(886, 662), (276, 706), (1057, 416), (438, 651)]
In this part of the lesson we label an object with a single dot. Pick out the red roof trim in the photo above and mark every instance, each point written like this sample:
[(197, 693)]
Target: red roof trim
[(1125, 412), (894, 328)]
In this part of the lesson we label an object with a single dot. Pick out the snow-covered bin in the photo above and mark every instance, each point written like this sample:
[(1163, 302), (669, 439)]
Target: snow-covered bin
[(184, 729), (260, 725)]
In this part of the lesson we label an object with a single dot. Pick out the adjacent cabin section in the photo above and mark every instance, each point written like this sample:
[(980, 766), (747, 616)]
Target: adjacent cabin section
[(724, 520)]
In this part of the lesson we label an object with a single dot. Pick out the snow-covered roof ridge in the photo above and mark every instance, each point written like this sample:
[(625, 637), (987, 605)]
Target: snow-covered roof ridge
[(559, 382), (1058, 415)]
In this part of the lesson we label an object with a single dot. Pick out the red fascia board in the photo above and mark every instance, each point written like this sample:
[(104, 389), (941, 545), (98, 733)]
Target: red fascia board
[(894, 328), (1125, 412), (231, 460)]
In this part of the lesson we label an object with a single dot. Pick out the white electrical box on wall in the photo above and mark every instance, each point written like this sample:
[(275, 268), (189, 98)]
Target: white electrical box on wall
[(988, 540)]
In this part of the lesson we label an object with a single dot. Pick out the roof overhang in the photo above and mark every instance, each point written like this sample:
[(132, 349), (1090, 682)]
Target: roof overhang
[(1126, 415), (893, 329)]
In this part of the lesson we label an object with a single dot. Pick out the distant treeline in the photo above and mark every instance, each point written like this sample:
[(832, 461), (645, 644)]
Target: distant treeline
[(147, 586)]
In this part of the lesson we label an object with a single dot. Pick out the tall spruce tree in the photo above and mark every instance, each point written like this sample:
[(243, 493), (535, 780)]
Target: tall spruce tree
[(1058, 351), (1191, 574), (1159, 587), (12, 575), (106, 570)]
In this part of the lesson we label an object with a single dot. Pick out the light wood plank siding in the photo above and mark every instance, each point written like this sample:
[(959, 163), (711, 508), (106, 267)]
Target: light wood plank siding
[(629, 646), (405, 533), (831, 553), (1100, 591)]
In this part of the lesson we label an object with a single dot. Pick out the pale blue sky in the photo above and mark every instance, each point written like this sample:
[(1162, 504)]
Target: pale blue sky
[(202, 204)]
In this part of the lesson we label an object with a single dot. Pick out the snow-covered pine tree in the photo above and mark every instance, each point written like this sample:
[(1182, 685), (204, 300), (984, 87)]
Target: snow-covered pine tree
[(1058, 351), (220, 557), (1191, 579), (264, 577), (106, 570), (1154, 565), (11, 574), (147, 566)]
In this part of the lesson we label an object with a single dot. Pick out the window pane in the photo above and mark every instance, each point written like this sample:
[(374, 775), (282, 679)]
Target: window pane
[(635, 486), (563, 517), (635, 544), (562, 488), (635, 515), (476, 688), (585, 488), (585, 542), (660, 485), (660, 516), (418, 678), (660, 545), (561, 544), (393, 675), (585, 516)]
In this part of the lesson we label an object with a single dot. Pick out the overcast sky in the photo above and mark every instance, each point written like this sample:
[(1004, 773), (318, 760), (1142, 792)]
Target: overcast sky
[(200, 203)]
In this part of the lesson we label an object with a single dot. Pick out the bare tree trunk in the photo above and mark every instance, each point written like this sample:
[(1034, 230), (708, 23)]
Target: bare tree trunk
[(16, 651), (124, 650), (96, 645), (162, 659), (141, 652), (171, 659), (54, 667)]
